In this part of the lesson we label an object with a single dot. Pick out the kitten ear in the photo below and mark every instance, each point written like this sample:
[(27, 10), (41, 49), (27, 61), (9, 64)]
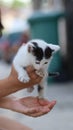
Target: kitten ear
[(30, 48), (54, 48)]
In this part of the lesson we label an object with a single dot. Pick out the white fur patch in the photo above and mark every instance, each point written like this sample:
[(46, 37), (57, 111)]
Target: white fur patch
[(24, 58)]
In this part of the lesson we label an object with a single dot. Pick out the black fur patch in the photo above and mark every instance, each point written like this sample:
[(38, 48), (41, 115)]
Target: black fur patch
[(38, 53), (1, 28), (48, 52), (35, 44), (39, 88)]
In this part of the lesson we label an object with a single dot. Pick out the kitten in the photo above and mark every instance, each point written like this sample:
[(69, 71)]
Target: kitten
[(37, 53)]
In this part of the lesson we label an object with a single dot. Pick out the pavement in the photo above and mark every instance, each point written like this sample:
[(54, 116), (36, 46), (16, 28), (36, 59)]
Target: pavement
[(60, 118)]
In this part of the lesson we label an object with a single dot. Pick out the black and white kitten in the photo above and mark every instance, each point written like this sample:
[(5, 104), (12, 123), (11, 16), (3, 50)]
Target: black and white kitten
[(37, 53)]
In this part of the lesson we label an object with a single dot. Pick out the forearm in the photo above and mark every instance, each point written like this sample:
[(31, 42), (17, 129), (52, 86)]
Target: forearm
[(7, 102), (9, 86), (10, 124)]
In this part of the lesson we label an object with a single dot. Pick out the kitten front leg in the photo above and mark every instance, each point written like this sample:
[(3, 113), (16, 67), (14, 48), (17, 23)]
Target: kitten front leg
[(23, 77), (22, 74)]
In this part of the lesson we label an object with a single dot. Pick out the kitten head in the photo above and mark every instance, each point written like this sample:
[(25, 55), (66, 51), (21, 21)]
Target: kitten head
[(41, 52)]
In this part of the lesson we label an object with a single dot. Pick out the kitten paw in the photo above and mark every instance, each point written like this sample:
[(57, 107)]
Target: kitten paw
[(40, 73), (23, 78)]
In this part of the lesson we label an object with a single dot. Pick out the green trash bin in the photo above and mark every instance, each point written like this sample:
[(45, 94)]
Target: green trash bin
[(45, 26)]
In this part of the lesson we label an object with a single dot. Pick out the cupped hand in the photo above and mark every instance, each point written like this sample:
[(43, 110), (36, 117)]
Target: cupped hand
[(32, 106)]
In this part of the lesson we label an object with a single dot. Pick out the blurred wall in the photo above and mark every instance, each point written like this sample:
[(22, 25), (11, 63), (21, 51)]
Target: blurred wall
[(69, 27)]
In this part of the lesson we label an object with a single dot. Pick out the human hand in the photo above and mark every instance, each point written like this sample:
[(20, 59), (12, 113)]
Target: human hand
[(34, 78), (32, 106), (11, 84)]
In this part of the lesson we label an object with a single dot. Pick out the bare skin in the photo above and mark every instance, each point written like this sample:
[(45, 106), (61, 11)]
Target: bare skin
[(11, 84), (30, 106), (10, 124)]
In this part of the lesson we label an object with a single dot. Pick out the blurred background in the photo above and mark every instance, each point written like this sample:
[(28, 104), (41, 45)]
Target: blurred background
[(52, 21)]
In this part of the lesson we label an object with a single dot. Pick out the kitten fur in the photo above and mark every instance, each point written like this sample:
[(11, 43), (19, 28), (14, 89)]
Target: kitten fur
[(38, 54)]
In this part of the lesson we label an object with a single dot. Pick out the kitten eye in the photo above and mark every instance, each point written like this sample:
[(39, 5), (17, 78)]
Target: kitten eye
[(37, 62), (45, 62)]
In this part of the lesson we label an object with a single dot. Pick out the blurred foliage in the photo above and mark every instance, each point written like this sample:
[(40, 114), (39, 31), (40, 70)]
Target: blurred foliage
[(15, 3)]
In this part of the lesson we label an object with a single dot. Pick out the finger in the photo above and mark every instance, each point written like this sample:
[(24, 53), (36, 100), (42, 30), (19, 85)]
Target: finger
[(28, 111), (52, 104), (38, 79), (44, 110), (40, 113), (43, 102), (30, 69), (33, 75)]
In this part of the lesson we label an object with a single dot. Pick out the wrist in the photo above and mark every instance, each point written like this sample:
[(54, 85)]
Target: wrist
[(6, 102)]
